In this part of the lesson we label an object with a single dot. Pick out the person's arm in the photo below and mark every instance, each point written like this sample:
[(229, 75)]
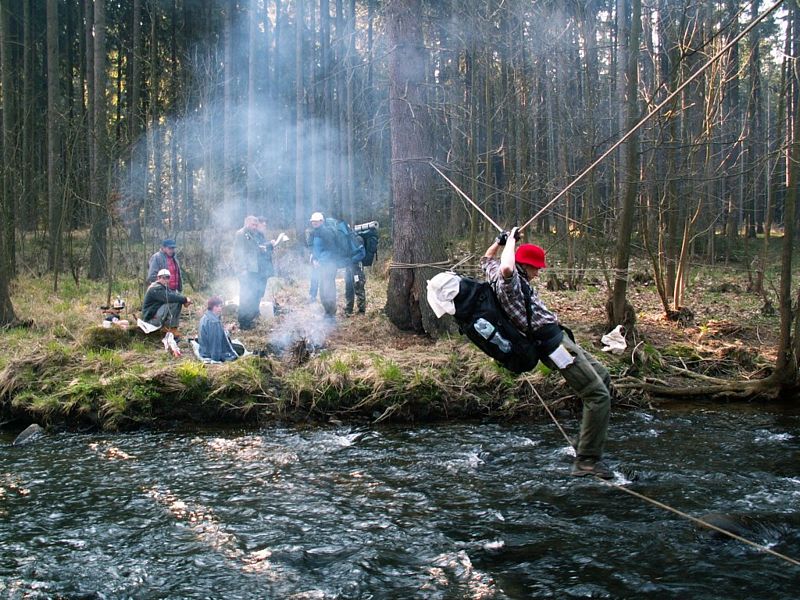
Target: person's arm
[(491, 251), (174, 297), (316, 249), (508, 261), (152, 268)]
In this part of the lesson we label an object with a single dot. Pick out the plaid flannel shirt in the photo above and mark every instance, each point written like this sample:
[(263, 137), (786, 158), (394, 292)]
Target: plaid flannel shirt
[(509, 293)]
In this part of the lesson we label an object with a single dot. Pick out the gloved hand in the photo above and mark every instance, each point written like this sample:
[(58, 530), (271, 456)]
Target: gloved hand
[(515, 231), (501, 239)]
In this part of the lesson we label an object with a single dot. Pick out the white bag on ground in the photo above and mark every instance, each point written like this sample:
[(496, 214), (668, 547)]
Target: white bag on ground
[(147, 327), (614, 341), (170, 345)]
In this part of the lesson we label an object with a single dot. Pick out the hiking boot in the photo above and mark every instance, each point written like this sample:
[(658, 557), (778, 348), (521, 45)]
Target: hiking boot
[(590, 465)]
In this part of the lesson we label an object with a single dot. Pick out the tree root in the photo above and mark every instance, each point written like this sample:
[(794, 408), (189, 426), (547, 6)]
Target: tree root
[(717, 389)]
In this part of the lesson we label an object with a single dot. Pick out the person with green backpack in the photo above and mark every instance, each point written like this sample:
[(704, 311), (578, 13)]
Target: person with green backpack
[(364, 246)]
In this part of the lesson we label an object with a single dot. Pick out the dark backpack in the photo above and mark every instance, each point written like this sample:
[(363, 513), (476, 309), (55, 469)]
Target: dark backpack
[(481, 318), (370, 239)]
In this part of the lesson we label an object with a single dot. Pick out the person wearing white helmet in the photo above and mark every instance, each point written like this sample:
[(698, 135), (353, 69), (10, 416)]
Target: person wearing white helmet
[(325, 260), (162, 305)]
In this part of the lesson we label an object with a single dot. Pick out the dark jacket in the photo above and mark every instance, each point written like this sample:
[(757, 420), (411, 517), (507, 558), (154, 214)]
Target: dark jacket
[(252, 253), (159, 261), (156, 296)]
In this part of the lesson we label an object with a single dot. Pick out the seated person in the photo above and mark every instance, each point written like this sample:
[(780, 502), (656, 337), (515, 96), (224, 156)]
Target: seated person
[(113, 317), (162, 306), (213, 336)]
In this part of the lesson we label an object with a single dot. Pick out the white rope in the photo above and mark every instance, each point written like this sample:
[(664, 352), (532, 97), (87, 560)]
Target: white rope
[(680, 513)]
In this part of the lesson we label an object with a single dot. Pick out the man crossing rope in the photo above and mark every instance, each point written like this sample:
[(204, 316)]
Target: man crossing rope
[(509, 277)]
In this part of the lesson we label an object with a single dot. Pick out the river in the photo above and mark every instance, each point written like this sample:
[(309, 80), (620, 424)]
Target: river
[(477, 510)]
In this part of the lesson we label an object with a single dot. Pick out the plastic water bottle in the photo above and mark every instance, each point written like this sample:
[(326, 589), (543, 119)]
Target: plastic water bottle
[(486, 329)]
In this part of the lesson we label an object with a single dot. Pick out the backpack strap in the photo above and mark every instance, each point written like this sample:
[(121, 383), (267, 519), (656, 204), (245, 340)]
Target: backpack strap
[(526, 292)]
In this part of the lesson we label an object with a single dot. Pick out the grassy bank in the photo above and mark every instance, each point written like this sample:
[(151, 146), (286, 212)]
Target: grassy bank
[(64, 369)]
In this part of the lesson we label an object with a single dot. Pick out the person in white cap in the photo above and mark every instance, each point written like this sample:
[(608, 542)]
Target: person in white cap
[(325, 260), (162, 306)]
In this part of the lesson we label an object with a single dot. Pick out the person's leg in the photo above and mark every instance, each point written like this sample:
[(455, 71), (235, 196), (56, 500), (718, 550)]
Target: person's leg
[(248, 301), (314, 284), (261, 289), (359, 286), (590, 386), (327, 289), (349, 293), (168, 315)]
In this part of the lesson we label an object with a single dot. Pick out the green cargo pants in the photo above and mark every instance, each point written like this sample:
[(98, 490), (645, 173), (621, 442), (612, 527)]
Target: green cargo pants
[(590, 381)]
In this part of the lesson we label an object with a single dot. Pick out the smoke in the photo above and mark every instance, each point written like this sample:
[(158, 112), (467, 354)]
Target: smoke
[(227, 145), (306, 325)]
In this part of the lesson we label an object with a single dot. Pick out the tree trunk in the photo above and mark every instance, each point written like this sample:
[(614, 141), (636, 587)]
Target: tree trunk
[(417, 231), (137, 191), (9, 174), (340, 133), (253, 122), (755, 187), (621, 313), (54, 217), (300, 212), (27, 212), (350, 29), (327, 105), (786, 366), (228, 143), (98, 235)]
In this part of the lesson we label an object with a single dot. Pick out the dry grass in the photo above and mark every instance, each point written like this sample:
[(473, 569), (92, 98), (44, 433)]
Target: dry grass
[(65, 368)]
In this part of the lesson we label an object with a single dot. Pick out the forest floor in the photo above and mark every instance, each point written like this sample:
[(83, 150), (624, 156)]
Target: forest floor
[(63, 369)]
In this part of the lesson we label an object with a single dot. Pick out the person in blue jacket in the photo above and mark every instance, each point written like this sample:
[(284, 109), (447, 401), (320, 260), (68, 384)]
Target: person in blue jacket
[(325, 260), (212, 336)]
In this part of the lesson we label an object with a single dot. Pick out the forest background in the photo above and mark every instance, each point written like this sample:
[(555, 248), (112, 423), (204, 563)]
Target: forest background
[(127, 122)]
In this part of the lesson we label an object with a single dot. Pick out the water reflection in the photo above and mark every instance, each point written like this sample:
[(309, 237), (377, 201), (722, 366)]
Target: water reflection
[(446, 511)]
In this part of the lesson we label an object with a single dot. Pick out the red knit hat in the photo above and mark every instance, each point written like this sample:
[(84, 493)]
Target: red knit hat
[(528, 254)]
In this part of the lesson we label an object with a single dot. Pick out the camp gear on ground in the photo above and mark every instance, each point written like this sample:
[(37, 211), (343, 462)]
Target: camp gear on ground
[(614, 341)]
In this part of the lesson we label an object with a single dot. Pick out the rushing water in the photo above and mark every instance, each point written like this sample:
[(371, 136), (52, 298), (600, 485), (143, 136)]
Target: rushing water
[(444, 511)]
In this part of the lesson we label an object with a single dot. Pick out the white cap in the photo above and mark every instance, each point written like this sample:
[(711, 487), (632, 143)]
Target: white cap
[(317, 216), (163, 273)]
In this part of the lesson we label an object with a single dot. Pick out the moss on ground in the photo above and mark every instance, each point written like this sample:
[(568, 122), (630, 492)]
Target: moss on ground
[(64, 368)]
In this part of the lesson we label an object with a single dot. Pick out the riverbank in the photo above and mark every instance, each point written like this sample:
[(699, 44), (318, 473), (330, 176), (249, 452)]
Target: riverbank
[(65, 370)]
